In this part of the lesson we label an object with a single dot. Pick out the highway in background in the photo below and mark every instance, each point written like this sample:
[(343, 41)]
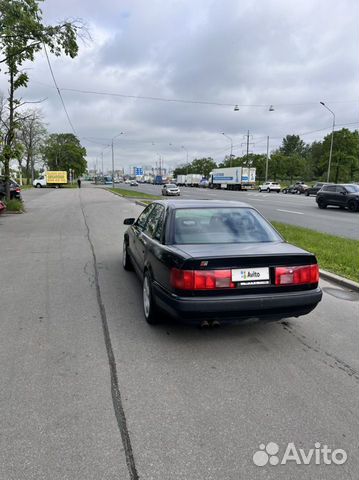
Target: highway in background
[(293, 209)]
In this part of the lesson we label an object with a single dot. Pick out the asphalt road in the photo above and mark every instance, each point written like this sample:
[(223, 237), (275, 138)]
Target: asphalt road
[(90, 391), (293, 209)]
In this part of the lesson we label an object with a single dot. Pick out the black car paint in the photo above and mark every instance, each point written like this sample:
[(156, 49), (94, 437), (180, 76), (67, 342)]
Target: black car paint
[(158, 257), (338, 195)]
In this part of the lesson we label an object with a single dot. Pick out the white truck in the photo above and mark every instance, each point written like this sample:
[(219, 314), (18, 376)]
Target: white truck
[(193, 179), (181, 180), (233, 178), (51, 179)]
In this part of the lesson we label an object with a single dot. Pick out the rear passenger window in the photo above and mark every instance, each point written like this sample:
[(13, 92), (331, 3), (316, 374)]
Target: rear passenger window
[(160, 225), (142, 219), (153, 220), (329, 188)]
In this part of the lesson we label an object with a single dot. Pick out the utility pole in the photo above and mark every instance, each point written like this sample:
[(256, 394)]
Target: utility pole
[(247, 144), (102, 162), (113, 159), (267, 159)]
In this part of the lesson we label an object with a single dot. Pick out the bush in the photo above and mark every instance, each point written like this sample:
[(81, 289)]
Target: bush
[(14, 205)]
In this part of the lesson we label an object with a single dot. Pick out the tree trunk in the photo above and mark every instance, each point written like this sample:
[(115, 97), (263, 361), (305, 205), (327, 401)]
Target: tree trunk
[(9, 136)]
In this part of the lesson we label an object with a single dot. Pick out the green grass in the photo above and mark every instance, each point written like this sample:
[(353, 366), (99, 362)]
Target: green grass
[(335, 254), (26, 187), (133, 193), (14, 205)]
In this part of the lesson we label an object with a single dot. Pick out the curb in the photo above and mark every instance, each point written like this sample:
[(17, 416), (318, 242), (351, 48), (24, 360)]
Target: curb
[(139, 202), (343, 282)]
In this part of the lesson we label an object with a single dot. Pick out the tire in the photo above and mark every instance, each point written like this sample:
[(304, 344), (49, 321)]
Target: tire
[(278, 191), (307, 194), (149, 305), (352, 206), (268, 190), (38, 185), (321, 203), (126, 260)]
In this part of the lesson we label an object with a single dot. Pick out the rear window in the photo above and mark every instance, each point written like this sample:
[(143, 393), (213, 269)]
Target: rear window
[(171, 185), (221, 225), (352, 188)]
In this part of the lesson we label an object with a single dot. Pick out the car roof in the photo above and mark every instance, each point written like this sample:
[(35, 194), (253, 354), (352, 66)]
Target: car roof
[(176, 204)]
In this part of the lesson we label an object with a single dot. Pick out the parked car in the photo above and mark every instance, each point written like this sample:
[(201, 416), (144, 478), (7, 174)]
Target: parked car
[(341, 195), (298, 188), (270, 187), (2, 207), (133, 183), (15, 189), (315, 188), (206, 260), (171, 189), (204, 183)]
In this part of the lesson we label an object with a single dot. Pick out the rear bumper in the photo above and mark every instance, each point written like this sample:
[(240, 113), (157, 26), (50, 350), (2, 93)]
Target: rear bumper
[(240, 307)]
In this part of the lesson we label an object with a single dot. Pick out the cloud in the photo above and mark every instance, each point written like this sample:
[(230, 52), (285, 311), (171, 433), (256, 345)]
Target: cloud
[(289, 54)]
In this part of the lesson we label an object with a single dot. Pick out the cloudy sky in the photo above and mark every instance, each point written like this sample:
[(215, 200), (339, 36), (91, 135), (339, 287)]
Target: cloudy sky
[(199, 59)]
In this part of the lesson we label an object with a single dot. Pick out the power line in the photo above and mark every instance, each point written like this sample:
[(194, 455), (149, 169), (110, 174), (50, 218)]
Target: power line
[(197, 102), (58, 90)]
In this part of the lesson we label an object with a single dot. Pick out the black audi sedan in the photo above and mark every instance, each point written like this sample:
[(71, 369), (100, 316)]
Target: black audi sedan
[(219, 261)]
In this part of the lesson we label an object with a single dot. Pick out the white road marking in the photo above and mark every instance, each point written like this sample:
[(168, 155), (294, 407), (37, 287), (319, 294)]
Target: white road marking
[(289, 211)]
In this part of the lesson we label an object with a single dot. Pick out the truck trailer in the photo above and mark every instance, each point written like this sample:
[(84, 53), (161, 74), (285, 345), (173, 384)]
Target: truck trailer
[(233, 178), (181, 180), (193, 179)]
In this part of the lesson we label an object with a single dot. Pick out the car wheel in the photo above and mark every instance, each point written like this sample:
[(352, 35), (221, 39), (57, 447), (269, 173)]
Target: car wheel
[(321, 203), (149, 305), (307, 194), (352, 206), (268, 190), (126, 259), (298, 192), (38, 185)]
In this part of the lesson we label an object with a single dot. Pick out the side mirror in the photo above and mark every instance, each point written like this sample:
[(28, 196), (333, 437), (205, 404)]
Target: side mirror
[(129, 221)]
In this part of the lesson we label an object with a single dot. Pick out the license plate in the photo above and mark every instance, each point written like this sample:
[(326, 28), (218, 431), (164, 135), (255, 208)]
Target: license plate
[(250, 275)]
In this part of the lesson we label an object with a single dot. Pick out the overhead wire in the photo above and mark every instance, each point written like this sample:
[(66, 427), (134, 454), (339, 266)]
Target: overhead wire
[(58, 90)]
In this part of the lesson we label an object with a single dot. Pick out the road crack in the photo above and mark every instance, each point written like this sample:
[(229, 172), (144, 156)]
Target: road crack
[(115, 390)]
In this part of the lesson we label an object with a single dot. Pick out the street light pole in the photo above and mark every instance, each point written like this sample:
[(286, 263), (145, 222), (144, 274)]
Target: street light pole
[(331, 141), (230, 139), (185, 149), (113, 159)]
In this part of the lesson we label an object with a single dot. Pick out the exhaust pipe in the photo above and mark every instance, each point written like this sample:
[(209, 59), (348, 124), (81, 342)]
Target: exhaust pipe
[(204, 324)]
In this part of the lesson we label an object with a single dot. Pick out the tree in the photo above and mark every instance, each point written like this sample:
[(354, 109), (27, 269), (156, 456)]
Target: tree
[(32, 133), (345, 156), (293, 145), (22, 34), (63, 151), (202, 166)]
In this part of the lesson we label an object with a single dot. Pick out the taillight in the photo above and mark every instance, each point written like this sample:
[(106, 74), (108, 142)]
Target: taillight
[(201, 279), (297, 275)]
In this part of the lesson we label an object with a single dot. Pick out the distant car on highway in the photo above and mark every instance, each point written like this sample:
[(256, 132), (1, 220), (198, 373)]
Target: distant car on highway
[(341, 195), (133, 183), (315, 188), (298, 188), (171, 189), (270, 187), (204, 183), (213, 261)]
